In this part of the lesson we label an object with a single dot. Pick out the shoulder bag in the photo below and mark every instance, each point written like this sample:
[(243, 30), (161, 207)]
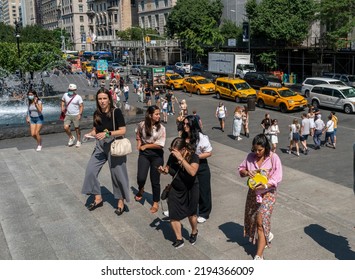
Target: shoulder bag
[(62, 114), (120, 147), (165, 193)]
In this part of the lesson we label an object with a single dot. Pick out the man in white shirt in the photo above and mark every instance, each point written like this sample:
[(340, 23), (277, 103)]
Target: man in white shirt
[(72, 105), (305, 129)]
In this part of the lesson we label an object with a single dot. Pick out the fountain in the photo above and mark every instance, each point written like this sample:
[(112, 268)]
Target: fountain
[(50, 84)]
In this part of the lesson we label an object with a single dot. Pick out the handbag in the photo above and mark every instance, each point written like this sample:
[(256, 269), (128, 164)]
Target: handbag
[(120, 147), (63, 113), (164, 195)]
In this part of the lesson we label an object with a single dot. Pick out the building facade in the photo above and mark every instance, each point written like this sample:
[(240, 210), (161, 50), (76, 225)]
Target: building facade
[(11, 11)]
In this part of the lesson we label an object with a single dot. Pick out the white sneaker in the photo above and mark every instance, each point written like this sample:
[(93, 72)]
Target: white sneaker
[(258, 258), (78, 144), (201, 220), (39, 148), (240, 138), (166, 213), (71, 141)]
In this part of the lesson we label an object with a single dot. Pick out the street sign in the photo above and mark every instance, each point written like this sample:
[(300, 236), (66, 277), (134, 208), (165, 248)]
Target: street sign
[(232, 42)]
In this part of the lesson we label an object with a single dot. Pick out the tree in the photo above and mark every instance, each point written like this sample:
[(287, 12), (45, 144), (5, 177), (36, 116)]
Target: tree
[(281, 20), (268, 60), (229, 30), (135, 33), (338, 17), (196, 22)]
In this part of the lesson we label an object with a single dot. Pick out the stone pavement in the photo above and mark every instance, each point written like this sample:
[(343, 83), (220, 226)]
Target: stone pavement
[(42, 212)]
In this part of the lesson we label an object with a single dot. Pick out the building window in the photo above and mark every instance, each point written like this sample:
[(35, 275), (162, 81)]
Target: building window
[(157, 21), (156, 3), (81, 9), (83, 47), (82, 30), (81, 18), (115, 16), (149, 21), (142, 5), (166, 3)]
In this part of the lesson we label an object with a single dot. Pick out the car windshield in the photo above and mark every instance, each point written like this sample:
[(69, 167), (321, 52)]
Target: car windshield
[(203, 81), (248, 67), (287, 93), (336, 83), (349, 92), (175, 77), (241, 86), (351, 78)]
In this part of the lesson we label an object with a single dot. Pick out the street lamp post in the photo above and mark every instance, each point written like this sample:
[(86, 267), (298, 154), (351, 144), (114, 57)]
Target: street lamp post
[(17, 35)]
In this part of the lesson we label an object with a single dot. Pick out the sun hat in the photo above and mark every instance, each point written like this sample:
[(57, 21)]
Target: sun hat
[(72, 87)]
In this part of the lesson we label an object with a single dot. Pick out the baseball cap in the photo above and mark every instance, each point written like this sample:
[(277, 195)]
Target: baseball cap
[(72, 87)]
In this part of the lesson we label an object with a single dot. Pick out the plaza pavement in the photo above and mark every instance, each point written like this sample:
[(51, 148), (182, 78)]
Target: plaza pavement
[(42, 212)]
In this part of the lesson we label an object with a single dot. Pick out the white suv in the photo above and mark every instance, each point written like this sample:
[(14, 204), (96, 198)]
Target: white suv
[(333, 96), (183, 65), (310, 82)]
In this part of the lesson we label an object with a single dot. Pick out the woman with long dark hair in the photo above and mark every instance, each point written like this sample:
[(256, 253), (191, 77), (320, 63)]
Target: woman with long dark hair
[(34, 117), (105, 133), (182, 165), (150, 136), (262, 196), (193, 134)]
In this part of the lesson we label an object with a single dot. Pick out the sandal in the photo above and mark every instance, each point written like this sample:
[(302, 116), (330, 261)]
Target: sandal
[(139, 195), (154, 208)]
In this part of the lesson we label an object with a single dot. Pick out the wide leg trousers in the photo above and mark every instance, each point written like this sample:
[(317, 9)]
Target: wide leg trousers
[(204, 180), (118, 170)]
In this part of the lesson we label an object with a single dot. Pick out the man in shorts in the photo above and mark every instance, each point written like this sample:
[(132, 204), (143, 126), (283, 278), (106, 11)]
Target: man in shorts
[(72, 105)]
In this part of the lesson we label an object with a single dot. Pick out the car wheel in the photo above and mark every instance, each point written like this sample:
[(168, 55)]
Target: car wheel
[(218, 95), (237, 99), (198, 92), (348, 109), (185, 90), (283, 108), (261, 103), (172, 87), (306, 93), (315, 103)]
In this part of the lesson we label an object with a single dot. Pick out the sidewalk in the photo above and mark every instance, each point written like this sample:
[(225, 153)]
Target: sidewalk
[(42, 213)]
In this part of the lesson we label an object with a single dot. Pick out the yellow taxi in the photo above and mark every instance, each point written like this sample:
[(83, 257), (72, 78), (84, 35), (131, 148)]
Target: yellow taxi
[(173, 81), (87, 66), (235, 89), (281, 98), (198, 85)]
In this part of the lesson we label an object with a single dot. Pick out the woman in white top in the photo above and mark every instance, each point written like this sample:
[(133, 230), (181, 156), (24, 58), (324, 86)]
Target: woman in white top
[(329, 132), (34, 117), (192, 133), (237, 123), (150, 136), (295, 131), (273, 132)]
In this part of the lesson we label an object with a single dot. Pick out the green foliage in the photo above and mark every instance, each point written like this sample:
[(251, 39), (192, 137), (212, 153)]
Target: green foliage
[(339, 20), (268, 59), (135, 33), (7, 33), (281, 20), (196, 23), (229, 30)]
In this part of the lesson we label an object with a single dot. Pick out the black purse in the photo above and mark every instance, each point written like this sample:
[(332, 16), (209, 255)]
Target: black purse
[(164, 195)]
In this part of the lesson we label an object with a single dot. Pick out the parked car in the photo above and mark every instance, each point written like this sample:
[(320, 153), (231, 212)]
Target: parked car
[(173, 69), (115, 67), (312, 81), (199, 67), (333, 96), (258, 80), (174, 81), (183, 65), (235, 89), (345, 78), (281, 98), (206, 74), (198, 85), (136, 69)]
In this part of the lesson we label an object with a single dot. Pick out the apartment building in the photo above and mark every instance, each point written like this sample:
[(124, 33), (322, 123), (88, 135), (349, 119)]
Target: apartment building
[(29, 12), (11, 11)]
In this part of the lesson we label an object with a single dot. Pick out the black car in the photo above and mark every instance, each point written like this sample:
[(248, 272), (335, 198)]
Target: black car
[(173, 69), (206, 74), (199, 67), (262, 79)]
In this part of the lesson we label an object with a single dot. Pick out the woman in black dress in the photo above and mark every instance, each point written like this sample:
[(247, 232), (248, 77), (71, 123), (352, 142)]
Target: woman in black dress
[(184, 194)]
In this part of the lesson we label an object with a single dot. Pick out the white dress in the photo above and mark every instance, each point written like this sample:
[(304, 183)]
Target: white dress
[(237, 124), (273, 131)]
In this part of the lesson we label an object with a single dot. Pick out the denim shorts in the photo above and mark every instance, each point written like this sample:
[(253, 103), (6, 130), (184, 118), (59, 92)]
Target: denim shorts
[(37, 120)]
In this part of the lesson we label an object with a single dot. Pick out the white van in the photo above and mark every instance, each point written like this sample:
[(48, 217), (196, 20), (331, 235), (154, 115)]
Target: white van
[(333, 96), (310, 82)]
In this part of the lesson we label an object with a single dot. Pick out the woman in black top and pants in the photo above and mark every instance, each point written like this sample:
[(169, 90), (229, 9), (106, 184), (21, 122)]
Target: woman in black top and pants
[(104, 134)]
